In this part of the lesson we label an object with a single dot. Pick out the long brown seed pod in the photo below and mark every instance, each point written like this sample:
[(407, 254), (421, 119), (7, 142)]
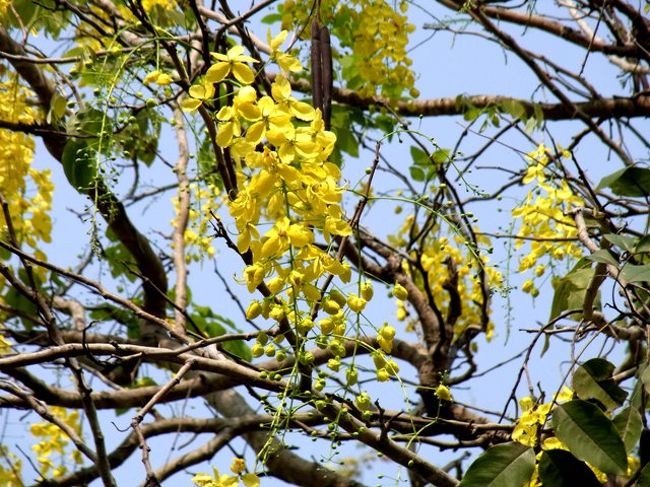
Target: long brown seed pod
[(316, 66), (327, 80)]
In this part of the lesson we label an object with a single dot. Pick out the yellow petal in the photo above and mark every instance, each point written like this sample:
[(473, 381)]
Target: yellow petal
[(299, 235), (289, 63), (190, 104), (217, 72), (235, 51), (246, 94), (249, 111), (281, 89), (151, 77), (278, 40), (164, 79), (202, 91), (225, 134), (250, 480), (243, 73), (303, 111), (255, 133)]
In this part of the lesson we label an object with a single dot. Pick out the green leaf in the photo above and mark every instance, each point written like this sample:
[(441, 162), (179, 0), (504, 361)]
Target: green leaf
[(559, 468), (622, 241), (628, 424), (441, 156), (420, 158), (240, 349), (590, 436), (636, 273), (570, 290), (214, 325), (630, 181), (644, 478), (57, 108), (91, 121), (514, 108), (79, 163), (510, 464), (643, 246), (139, 139), (635, 400), (604, 256), (120, 261), (417, 174), (645, 379), (20, 302), (593, 380), (346, 141), (271, 18), (342, 119)]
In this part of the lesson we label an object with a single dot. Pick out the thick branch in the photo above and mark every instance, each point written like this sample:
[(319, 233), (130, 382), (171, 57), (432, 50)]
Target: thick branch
[(603, 108)]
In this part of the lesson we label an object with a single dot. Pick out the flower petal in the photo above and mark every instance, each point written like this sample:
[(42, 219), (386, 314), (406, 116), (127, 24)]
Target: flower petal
[(217, 72)]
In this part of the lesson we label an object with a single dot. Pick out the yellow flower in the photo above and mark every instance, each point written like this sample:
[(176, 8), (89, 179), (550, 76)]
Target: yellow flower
[(5, 346), (400, 292), (254, 310), (157, 77), (234, 61), (367, 291), (237, 466), (564, 395), (528, 286), (443, 393), (362, 401), (281, 91), (198, 94), (284, 234), (228, 128), (331, 307), (254, 274), (287, 62), (385, 337), (356, 303), (148, 5)]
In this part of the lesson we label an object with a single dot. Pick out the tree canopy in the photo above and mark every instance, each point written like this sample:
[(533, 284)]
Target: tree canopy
[(287, 242)]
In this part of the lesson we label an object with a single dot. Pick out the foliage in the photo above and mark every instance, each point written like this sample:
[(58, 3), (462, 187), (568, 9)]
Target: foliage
[(262, 260)]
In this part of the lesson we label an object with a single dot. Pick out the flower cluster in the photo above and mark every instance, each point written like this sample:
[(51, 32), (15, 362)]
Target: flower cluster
[(534, 415), (158, 78), (10, 469), (436, 254), (27, 190), (544, 215), (54, 440), (377, 35), (237, 467), (4, 6), (289, 194), (205, 200), (149, 5)]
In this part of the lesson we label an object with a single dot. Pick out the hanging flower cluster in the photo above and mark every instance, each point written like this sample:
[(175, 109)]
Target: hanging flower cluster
[(289, 194), (205, 201), (436, 251), (544, 215), (11, 468), (27, 190), (217, 479), (375, 32), (54, 441)]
